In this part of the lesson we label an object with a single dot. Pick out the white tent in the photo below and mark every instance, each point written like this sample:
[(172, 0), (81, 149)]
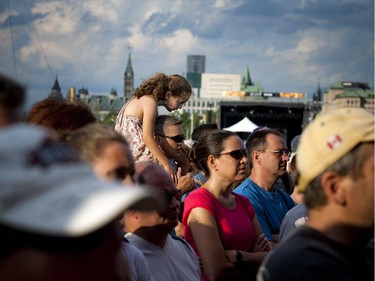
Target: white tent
[(245, 125)]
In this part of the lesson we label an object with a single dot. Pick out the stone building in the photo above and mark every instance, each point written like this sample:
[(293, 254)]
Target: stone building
[(349, 95)]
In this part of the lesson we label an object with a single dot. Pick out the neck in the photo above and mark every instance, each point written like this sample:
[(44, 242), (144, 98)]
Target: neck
[(218, 188), (340, 232), (152, 235), (223, 193), (266, 182)]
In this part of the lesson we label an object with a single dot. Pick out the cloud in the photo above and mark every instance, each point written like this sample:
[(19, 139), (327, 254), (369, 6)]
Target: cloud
[(289, 45)]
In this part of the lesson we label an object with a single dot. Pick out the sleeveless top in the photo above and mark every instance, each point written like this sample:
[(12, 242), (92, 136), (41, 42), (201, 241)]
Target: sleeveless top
[(130, 127)]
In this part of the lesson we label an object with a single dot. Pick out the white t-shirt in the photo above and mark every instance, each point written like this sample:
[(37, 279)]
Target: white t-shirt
[(176, 261)]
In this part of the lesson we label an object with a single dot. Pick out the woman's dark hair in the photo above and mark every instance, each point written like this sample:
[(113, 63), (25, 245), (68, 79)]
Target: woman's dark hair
[(209, 144)]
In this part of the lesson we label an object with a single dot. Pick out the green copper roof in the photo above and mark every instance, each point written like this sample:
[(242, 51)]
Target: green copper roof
[(246, 80), (357, 93)]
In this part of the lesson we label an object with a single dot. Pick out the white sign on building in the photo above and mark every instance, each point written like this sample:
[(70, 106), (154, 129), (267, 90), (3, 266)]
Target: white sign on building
[(214, 84)]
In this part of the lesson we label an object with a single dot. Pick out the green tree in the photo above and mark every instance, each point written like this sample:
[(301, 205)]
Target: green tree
[(109, 119), (186, 118)]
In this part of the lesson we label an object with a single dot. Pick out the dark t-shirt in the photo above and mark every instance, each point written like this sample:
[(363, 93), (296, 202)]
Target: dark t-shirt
[(308, 255)]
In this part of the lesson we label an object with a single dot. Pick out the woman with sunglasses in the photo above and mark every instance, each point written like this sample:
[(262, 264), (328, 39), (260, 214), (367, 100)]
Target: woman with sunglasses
[(110, 157), (220, 225)]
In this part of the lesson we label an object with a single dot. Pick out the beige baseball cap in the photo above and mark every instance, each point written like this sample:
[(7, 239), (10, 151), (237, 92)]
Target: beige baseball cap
[(328, 138)]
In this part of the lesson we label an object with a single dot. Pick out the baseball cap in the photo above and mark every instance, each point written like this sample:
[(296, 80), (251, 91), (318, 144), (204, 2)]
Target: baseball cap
[(45, 189), (328, 138)]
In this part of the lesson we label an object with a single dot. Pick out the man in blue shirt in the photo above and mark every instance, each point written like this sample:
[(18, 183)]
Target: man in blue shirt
[(267, 155)]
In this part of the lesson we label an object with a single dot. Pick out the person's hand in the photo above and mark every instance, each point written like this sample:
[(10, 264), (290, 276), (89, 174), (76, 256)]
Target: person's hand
[(231, 256), (262, 244), (171, 172), (182, 159), (185, 183)]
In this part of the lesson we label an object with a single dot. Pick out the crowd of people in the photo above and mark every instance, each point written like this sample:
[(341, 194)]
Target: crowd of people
[(83, 201)]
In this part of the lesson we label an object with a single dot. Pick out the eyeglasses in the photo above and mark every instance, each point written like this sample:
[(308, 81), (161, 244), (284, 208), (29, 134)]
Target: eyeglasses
[(236, 154), (177, 139), (168, 196), (121, 173), (280, 152)]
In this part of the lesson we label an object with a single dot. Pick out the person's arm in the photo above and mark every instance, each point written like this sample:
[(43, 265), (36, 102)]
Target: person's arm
[(150, 111), (261, 218), (252, 260), (261, 244), (211, 251)]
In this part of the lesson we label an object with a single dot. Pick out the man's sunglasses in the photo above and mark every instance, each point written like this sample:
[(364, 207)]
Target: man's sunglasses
[(177, 139), (121, 173), (236, 154)]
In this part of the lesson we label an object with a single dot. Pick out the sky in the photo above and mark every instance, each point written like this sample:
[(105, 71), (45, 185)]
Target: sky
[(288, 45)]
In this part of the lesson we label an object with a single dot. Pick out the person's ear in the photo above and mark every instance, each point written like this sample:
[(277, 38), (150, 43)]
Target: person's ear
[(168, 95), (211, 162), (255, 155), (331, 184)]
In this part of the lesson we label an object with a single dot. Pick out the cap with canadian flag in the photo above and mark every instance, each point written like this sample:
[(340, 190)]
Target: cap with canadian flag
[(328, 138)]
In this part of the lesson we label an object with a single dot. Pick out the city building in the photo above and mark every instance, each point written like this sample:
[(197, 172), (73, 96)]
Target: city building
[(349, 95), (56, 91), (247, 85), (128, 80), (228, 98), (219, 86), (195, 66)]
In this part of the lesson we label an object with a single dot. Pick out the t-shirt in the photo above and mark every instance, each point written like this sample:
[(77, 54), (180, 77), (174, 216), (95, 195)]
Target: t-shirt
[(234, 225), (308, 255), (270, 206), (175, 261), (137, 262), (294, 218)]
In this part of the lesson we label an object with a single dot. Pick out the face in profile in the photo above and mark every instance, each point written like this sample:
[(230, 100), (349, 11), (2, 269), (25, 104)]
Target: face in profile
[(168, 213), (172, 140), (175, 102), (115, 163)]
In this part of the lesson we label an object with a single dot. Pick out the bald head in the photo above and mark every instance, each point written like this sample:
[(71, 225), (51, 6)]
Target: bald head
[(152, 174), (158, 223)]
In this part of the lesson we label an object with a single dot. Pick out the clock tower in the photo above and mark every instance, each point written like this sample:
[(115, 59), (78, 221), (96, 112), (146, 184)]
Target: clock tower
[(128, 80)]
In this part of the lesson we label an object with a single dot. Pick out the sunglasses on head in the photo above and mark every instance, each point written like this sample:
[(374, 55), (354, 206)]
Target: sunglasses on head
[(178, 138), (236, 154)]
